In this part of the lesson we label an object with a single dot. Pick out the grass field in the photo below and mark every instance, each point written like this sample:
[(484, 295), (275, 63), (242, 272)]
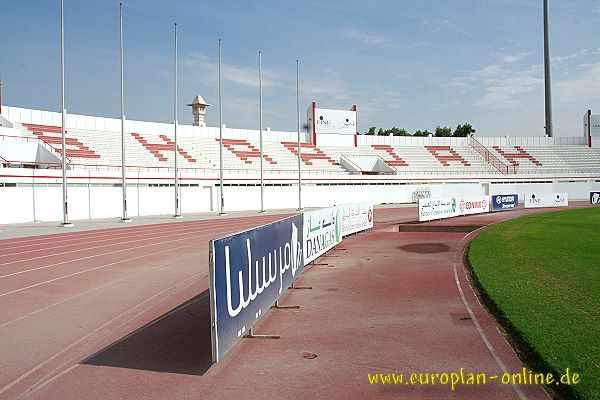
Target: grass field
[(540, 275)]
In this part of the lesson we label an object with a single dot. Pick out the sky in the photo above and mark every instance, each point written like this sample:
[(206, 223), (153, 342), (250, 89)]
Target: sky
[(412, 64)]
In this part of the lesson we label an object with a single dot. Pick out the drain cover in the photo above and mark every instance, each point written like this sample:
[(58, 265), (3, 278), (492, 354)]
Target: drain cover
[(425, 248)]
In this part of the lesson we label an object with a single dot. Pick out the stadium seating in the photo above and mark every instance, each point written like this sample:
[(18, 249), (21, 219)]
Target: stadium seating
[(551, 159), (96, 149)]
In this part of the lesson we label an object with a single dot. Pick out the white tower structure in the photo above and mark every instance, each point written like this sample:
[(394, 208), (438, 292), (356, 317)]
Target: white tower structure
[(199, 110)]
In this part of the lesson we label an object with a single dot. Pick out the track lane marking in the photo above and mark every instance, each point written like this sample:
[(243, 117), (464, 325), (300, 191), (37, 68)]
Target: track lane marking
[(56, 355), (482, 334), (82, 235), (95, 255), (97, 268)]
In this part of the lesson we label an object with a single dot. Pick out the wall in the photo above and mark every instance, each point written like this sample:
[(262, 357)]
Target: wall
[(96, 194)]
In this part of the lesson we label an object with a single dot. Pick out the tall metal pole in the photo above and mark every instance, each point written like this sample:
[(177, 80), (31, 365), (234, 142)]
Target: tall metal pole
[(123, 179), (222, 199), (547, 80), (176, 214), (65, 222), (262, 183), (299, 144)]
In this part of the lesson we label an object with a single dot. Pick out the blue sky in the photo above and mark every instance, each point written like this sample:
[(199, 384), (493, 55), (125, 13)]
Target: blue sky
[(411, 64)]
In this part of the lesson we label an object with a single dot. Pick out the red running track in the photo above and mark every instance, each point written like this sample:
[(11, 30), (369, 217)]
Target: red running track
[(123, 314), (64, 295)]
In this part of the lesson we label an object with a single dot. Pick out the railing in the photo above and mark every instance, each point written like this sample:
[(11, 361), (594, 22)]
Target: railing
[(490, 158)]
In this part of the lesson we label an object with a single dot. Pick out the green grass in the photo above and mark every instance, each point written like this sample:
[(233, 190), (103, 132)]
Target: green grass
[(540, 275)]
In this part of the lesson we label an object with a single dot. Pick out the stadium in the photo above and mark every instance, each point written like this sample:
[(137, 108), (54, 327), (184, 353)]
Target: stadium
[(143, 259)]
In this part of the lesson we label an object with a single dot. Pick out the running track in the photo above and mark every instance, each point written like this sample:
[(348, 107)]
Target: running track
[(64, 295), (81, 311)]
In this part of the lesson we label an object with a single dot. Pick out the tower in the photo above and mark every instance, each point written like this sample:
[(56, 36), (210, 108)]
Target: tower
[(199, 110)]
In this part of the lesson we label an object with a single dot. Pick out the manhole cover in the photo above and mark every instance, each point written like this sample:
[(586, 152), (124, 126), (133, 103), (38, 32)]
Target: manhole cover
[(425, 248)]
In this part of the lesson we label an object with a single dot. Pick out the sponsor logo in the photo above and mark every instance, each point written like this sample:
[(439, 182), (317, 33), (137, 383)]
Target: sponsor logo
[(320, 238), (270, 267), (595, 197), (323, 121), (502, 202)]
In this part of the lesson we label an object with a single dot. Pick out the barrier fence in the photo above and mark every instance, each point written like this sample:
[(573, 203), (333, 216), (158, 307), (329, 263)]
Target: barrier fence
[(250, 270)]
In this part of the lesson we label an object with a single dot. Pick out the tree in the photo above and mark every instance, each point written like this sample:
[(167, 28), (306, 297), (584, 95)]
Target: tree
[(371, 131), (381, 132), (399, 132), (422, 133), (443, 132), (463, 130)]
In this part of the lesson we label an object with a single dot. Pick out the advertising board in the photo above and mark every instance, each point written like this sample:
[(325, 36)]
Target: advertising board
[(322, 231), (335, 121), (535, 200), (503, 202), (432, 208), (355, 217), (248, 272), (447, 207), (595, 198), (473, 205)]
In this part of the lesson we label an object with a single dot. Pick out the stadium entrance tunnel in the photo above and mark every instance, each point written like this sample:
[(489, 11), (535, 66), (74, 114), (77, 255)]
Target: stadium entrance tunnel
[(415, 227)]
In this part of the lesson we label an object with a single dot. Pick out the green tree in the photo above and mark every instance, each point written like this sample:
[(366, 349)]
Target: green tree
[(399, 132), (463, 130), (443, 132), (371, 131), (381, 132), (422, 133)]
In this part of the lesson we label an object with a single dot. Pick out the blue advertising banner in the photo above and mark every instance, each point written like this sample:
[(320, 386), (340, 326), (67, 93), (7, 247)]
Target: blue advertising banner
[(505, 201), (248, 272), (595, 198)]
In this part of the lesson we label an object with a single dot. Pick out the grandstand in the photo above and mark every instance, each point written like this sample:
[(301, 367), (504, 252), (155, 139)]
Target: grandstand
[(396, 169)]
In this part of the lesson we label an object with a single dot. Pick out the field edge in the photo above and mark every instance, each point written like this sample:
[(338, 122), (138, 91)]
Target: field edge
[(529, 356)]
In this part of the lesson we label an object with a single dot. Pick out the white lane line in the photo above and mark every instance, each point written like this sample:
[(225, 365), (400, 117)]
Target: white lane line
[(112, 237), (40, 385), (82, 235), (103, 254), (99, 267), (190, 230), (482, 334), (40, 365), (79, 250)]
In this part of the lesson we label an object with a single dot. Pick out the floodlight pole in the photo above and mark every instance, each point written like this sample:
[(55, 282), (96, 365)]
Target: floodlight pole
[(124, 178), (260, 106), (299, 145), (176, 214), (65, 222), (547, 79), (222, 199)]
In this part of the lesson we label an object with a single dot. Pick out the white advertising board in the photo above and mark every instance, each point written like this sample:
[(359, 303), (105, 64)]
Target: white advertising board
[(447, 207), (356, 217), (430, 209), (473, 205), (533, 200), (335, 121), (595, 126), (322, 231)]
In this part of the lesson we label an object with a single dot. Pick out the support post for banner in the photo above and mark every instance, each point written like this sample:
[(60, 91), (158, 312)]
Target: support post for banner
[(276, 305), (293, 286), (251, 335)]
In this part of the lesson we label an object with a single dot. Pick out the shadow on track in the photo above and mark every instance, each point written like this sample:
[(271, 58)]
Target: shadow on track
[(177, 342)]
